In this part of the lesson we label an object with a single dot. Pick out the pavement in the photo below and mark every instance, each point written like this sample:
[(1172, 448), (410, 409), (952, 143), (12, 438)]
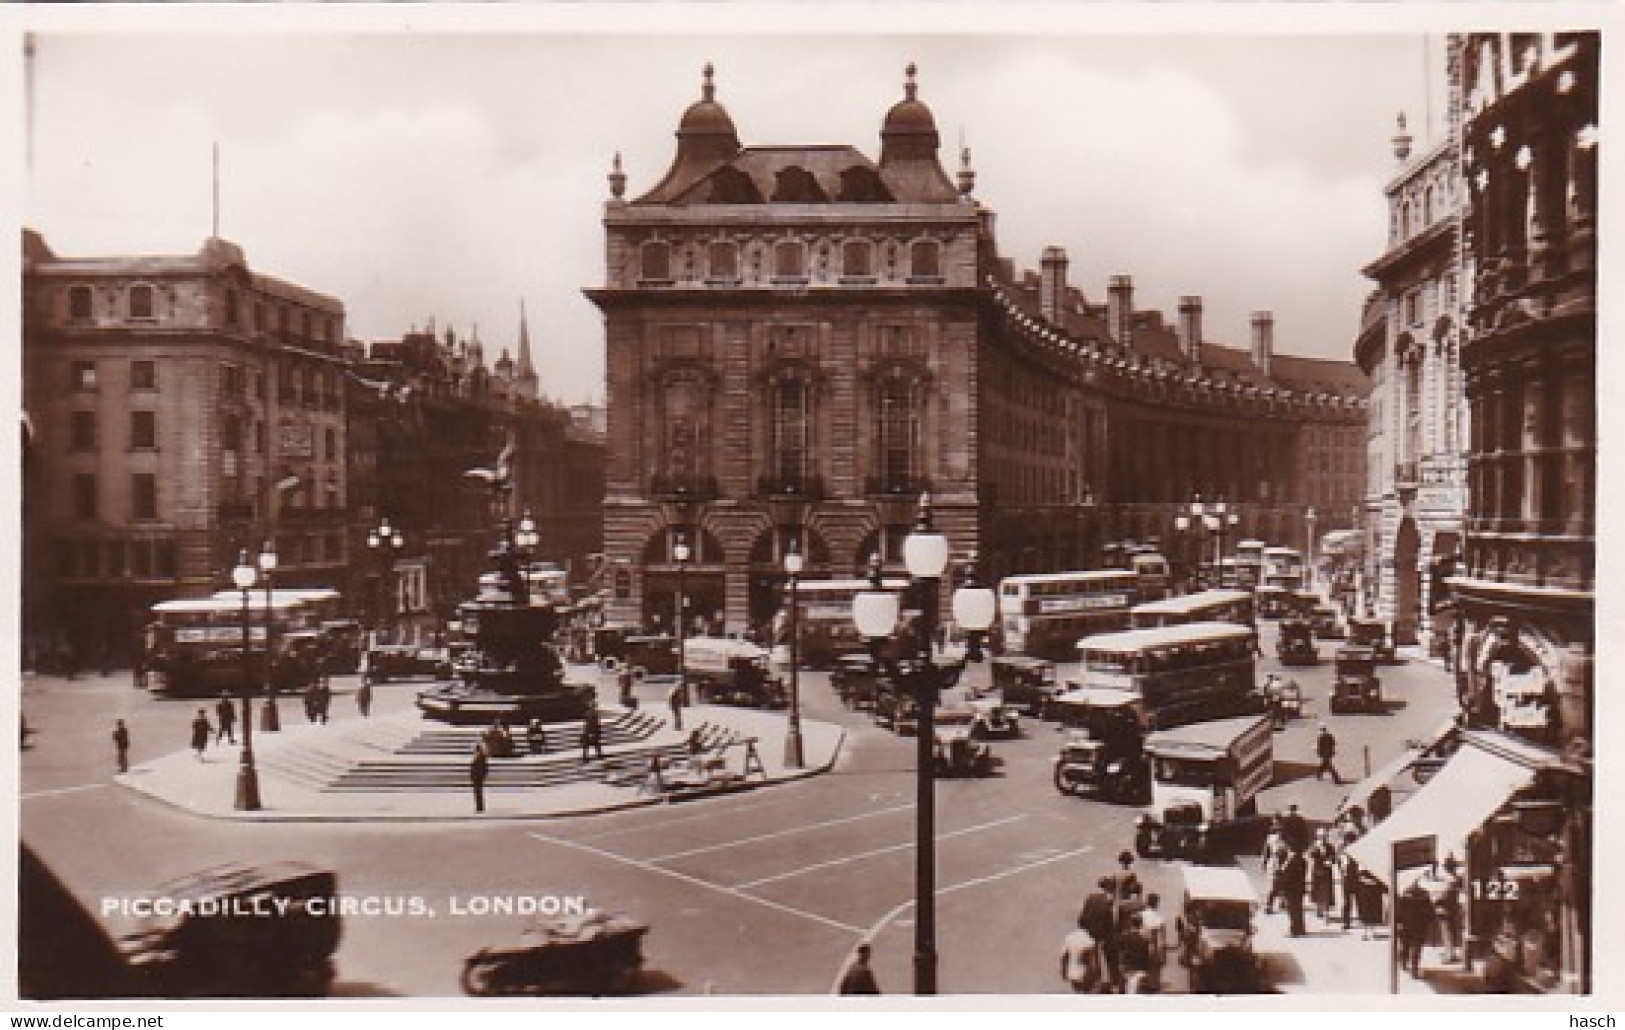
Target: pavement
[(208, 787)]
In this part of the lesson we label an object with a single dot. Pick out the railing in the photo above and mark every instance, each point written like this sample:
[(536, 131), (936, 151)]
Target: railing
[(688, 488)]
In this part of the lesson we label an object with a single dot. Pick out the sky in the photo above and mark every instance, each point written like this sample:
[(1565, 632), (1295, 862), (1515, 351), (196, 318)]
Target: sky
[(450, 171)]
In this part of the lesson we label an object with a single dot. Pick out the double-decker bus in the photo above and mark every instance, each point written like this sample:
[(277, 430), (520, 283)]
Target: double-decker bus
[(1044, 616), (1249, 563), (1172, 675), (824, 627), (1203, 606), (1152, 569), (195, 645)]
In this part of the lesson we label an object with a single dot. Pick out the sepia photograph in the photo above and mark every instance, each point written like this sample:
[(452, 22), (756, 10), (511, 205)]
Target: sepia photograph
[(525, 504)]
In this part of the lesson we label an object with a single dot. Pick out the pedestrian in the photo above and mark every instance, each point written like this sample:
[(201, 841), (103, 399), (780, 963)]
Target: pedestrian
[(312, 701), (363, 697), (1275, 855), (1321, 874), (1134, 956), (536, 737), (1080, 960), (857, 977), (628, 699), (201, 732), (121, 744), (1349, 871), (1447, 908), (1295, 829), (227, 714), (478, 769), (324, 699), (675, 701), (592, 733), (1413, 920), (1326, 748), (1294, 873), (1099, 917), (1155, 930)]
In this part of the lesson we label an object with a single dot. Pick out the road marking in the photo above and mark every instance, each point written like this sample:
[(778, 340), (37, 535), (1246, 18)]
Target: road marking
[(59, 790), (711, 812), (697, 882), (805, 828), (874, 931), (871, 854)]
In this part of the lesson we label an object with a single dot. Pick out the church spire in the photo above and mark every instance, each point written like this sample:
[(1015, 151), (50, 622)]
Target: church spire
[(528, 386)]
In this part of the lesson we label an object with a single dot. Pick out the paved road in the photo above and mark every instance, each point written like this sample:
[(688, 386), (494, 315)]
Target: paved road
[(764, 892)]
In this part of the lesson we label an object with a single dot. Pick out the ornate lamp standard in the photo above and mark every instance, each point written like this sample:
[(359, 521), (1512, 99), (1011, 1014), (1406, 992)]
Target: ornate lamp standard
[(270, 718), (526, 537), (794, 757), (385, 541), (680, 554), (875, 611), (248, 780)]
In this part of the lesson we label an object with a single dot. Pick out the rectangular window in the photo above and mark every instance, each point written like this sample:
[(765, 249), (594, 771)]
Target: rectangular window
[(141, 302), (143, 431), (143, 375), (141, 558), (789, 260), (82, 431), (331, 439), (84, 495), (724, 262), (79, 302), (144, 496), (84, 375)]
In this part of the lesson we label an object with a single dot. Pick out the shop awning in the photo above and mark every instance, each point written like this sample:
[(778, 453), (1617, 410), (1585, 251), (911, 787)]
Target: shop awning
[(1454, 803)]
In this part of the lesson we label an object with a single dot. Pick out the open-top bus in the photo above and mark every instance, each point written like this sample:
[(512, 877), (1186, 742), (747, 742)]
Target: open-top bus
[(1172, 675), (1044, 616), (1203, 606)]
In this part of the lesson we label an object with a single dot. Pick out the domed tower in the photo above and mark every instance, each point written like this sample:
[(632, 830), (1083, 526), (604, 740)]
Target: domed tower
[(706, 138), (908, 149)]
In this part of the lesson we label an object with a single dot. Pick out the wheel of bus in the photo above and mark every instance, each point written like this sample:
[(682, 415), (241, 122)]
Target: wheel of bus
[(1061, 782)]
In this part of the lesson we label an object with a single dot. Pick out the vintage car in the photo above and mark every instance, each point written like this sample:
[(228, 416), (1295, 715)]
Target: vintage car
[(1295, 644), (240, 931), (1283, 699), (651, 655), (957, 752), (594, 954), (855, 679), (1270, 601), (1323, 618), (1214, 930), (1111, 769), (407, 661), (1027, 684), (1373, 633), (994, 718), (1356, 688), (897, 711)]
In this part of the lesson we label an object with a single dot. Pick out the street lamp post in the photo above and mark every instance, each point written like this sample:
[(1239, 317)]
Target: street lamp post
[(384, 542), (248, 781), (270, 718), (1309, 548), (680, 553), (794, 757), (875, 612)]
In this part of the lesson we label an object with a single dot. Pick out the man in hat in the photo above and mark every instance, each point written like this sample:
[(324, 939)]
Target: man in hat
[(1326, 749)]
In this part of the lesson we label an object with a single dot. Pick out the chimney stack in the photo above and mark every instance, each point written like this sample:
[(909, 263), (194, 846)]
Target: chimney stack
[(1120, 310), (1052, 290), (1263, 340), (1190, 330)]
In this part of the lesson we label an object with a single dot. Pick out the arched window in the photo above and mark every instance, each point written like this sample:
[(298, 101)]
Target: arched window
[(655, 262), (925, 260), (897, 434), (141, 302), (792, 431)]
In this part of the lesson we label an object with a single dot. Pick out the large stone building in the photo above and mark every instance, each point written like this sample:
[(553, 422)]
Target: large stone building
[(1526, 590), (181, 409), (1410, 345), (177, 410), (802, 340)]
